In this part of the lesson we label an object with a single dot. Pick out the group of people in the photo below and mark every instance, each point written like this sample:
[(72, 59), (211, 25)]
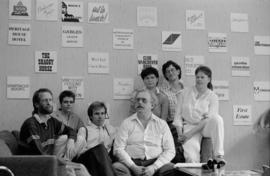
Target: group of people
[(146, 141)]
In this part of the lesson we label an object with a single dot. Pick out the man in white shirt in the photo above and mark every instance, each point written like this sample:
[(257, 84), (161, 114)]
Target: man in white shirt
[(144, 144)]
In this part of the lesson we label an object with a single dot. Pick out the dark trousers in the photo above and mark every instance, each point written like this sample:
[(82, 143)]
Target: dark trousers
[(97, 161)]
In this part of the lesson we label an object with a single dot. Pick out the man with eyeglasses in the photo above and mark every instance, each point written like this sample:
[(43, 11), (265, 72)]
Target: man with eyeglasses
[(144, 144)]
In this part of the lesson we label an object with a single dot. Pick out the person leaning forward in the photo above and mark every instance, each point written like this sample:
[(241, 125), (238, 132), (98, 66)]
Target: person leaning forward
[(144, 144)]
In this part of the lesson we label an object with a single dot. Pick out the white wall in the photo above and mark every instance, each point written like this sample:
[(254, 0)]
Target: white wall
[(244, 149)]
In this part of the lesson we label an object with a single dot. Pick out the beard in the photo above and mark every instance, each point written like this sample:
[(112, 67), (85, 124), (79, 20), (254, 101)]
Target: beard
[(46, 110)]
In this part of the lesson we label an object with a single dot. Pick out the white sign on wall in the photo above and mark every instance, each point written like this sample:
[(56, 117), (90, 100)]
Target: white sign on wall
[(191, 63), (47, 10), (171, 41), (217, 42), (240, 66), (147, 60), (18, 87), (261, 90), (122, 88), (72, 11), (19, 34), (262, 45), (195, 19), (46, 61), (123, 38), (239, 22), (98, 63), (98, 13), (74, 84), (20, 9), (221, 88), (242, 115), (72, 36), (147, 16)]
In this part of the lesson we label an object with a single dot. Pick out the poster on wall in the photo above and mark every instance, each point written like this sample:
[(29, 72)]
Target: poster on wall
[(72, 36), (242, 115), (171, 41), (45, 62), (240, 66), (261, 90), (217, 42), (74, 84), (98, 63), (195, 19), (98, 13), (20, 9), (123, 38), (47, 10), (262, 45), (122, 88), (72, 11), (221, 88), (147, 60), (239, 22), (18, 87), (19, 34), (191, 63), (147, 16)]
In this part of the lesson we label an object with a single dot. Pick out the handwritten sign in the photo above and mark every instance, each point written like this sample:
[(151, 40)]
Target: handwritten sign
[(98, 63), (98, 13), (261, 90), (147, 60), (20, 9), (18, 87), (74, 84), (240, 66), (217, 42), (47, 10), (122, 88), (72, 36), (195, 19), (221, 88), (147, 16), (191, 63), (242, 115), (19, 34), (239, 22), (45, 62), (123, 39)]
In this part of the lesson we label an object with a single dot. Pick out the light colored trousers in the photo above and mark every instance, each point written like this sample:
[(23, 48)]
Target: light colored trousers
[(214, 128)]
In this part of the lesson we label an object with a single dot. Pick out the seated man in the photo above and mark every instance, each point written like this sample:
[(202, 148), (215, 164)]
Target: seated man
[(100, 135), (40, 131), (144, 144)]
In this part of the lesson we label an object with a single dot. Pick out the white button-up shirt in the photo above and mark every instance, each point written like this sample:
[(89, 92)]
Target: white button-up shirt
[(135, 141)]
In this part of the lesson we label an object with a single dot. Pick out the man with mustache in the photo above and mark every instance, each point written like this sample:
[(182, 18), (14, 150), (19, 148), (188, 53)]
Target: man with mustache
[(144, 144)]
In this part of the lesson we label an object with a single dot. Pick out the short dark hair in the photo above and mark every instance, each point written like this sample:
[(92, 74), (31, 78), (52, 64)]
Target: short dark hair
[(206, 70), (175, 65), (148, 71), (36, 97), (66, 93), (96, 105)]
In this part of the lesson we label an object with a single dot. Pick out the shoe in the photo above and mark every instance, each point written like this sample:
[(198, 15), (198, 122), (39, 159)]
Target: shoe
[(220, 161), (209, 165)]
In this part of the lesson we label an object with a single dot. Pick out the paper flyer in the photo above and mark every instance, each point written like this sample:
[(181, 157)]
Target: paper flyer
[(240, 66), (46, 62), (98, 63), (242, 115), (18, 87), (20, 9), (262, 45), (217, 42), (261, 90), (122, 88), (239, 22), (72, 36), (195, 19), (72, 11), (19, 34), (123, 38), (147, 60), (74, 84), (191, 63), (221, 88), (171, 41), (47, 10), (147, 16), (98, 13)]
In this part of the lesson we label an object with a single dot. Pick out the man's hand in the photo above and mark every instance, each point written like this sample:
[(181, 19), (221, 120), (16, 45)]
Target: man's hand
[(149, 171), (137, 170), (70, 153)]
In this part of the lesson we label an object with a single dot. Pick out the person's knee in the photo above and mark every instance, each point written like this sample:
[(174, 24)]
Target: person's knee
[(216, 120), (120, 169)]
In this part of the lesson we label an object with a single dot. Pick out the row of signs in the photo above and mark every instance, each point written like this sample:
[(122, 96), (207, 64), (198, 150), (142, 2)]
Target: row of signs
[(72, 36)]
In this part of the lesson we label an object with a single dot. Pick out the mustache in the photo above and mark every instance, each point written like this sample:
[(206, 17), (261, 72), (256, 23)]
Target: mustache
[(139, 106)]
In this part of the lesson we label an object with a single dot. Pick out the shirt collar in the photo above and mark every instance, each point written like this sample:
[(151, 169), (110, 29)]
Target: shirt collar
[(36, 116), (94, 125), (135, 117)]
